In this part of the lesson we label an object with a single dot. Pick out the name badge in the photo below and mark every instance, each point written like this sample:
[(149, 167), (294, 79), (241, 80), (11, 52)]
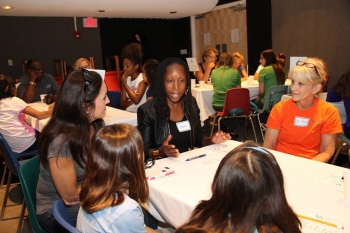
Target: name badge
[(301, 121), (183, 126)]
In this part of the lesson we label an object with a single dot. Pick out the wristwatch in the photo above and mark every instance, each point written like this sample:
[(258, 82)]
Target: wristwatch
[(33, 83)]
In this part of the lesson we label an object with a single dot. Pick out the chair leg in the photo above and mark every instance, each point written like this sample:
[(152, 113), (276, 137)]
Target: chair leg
[(338, 151), (6, 196), (3, 176), (20, 223), (219, 123), (261, 127), (212, 128), (245, 129), (252, 123)]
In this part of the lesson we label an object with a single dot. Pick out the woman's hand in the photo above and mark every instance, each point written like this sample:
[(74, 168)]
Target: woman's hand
[(124, 78), (220, 137), (69, 202), (168, 149), (211, 65)]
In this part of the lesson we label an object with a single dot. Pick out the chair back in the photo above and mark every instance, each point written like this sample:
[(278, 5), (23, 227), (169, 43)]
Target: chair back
[(109, 65), (112, 81), (29, 175), (62, 216), (237, 98), (114, 98), (9, 156), (274, 96)]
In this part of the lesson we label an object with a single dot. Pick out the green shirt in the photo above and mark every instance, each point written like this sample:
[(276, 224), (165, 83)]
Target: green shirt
[(268, 77), (223, 78)]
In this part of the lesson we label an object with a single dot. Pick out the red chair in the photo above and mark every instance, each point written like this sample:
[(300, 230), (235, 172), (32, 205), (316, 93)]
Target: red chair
[(236, 98), (112, 81)]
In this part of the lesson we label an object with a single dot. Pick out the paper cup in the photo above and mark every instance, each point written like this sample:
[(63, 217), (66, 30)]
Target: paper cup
[(201, 84), (250, 79), (347, 185), (193, 83), (42, 97)]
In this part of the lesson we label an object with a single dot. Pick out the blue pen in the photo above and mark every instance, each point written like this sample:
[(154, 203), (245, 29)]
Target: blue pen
[(196, 157)]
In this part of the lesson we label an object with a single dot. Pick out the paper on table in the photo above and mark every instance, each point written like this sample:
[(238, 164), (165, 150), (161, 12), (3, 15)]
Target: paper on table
[(334, 181), (310, 226)]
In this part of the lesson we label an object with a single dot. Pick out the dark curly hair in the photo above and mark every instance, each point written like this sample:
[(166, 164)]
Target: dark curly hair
[(150, 69), (162, 108), (7, 86), (133, 53)]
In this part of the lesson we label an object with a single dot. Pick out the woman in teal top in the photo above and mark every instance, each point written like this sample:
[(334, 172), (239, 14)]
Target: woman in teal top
[(224, 78), (271, 75)]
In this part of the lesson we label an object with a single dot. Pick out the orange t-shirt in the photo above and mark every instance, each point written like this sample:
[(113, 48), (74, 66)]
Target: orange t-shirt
[(301, 130)]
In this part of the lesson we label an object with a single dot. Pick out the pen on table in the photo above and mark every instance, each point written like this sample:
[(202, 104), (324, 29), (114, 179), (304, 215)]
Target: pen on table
[(320, 221), (196, 157)]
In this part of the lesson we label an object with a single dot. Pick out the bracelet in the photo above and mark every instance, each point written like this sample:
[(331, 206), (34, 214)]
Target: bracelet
[(33, 83)]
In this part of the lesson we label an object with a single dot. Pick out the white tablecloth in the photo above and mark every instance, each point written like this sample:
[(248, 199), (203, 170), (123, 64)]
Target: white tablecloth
[(204, 97), (323, 96), (113, 116), (309, 185)]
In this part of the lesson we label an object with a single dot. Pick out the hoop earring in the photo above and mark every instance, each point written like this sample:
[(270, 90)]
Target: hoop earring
[(89, 114), (186, 91)]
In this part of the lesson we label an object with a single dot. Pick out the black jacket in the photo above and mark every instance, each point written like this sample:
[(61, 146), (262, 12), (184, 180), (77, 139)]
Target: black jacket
[(153, 133)]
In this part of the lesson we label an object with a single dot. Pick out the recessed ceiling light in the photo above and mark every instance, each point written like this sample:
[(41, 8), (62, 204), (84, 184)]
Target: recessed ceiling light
[(7, 7), (101, 11), (173, 12)]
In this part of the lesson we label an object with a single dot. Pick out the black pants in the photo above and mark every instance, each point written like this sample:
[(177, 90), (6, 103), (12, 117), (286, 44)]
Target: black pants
[(346, 131)]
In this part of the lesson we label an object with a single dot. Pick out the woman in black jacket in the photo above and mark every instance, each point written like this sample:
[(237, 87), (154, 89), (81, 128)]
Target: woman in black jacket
[(170, 122)]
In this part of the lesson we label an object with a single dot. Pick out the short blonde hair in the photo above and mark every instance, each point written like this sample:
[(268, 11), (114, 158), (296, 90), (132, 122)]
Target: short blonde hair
[(207, 52), (79, 61), (238, 55), (309, 74)]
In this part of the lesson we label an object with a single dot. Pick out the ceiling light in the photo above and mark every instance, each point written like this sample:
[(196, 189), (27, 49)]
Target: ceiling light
[(7, 7), (173, 12), (101, 11)]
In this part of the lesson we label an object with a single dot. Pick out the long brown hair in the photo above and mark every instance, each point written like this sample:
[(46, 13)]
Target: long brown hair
[(271, 59), (247, 193), (114, 167)]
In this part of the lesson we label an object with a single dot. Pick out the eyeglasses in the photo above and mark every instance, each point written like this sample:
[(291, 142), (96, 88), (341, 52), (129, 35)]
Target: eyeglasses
[(87, 76), (150, 163), (308, 65)]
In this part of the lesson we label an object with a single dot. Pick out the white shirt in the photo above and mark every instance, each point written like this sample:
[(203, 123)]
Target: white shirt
[(134, 84), (17, 133)]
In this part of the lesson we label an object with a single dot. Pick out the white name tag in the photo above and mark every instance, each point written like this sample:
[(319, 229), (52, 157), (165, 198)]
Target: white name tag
[(301, 121), (183, 126)]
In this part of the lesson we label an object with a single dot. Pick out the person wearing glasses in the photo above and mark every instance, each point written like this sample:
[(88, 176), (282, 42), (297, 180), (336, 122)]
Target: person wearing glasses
[(247, 196), (64, 144), (36, 82), (208, 64), (132, 84), (271, 75), (82, 63), (238, 64), (169, 123), (304, 125)]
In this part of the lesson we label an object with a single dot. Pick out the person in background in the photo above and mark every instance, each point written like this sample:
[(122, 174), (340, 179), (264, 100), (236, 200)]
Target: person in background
[(304, 125), (82, 63), (247, 196), (341, 91), (36, 82), (144, 45), (280, 58), (169, 123), (224, 78), (114, 183), (208, 64), (17, 133), (238, 64), (149, 75), (271, 75), (132, 84), (64, 144)]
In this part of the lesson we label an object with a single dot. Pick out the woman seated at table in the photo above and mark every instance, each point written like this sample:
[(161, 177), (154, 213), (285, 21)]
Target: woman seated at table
[(169, 123), (341, 91), (114, 183), (133, 86), (208, 64), (224, 78), (64, 144), (247, 196), (304, 125), (82, 63), (271, 75), (149, 76), (17, 133), (238, 64)]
